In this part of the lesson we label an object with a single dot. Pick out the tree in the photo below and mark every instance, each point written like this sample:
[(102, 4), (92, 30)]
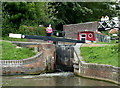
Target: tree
[(23, 13), (16, 14), (78, 12)]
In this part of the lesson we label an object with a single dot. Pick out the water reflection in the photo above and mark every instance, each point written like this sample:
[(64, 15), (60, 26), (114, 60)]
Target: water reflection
[(52, 79)]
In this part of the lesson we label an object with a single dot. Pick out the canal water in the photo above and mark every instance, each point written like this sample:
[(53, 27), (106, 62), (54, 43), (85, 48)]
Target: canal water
[(52, 79)]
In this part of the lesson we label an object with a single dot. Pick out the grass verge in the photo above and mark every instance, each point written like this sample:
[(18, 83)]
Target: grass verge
[(101, 55), (13, 39), (10, 52)]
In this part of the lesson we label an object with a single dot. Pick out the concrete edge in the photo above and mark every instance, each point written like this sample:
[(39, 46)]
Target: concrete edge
[(97, 78)]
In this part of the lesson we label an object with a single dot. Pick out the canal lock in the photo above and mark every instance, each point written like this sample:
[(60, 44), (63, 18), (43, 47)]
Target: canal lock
[(64, 58)]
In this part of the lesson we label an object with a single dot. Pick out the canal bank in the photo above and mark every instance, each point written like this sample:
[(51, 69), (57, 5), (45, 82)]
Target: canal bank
[(67, 56), (95, 71), (43, 61)]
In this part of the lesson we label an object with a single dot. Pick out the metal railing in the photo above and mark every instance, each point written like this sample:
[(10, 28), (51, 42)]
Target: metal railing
[(108, 24)]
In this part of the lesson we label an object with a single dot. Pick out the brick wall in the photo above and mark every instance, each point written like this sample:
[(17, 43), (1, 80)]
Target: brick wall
[(95, 71), (42, 62), (72, 30)]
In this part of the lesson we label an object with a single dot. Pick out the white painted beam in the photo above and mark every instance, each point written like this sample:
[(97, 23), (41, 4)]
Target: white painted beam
[(15, 35)]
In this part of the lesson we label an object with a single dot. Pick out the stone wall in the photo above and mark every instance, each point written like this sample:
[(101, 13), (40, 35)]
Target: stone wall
[(95, 71), (44, 61), (71, 30)]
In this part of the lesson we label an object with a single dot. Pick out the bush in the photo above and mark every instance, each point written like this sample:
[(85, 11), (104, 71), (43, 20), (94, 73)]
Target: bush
[(31, 30), (41, 31), (23, 29), (6, 29)]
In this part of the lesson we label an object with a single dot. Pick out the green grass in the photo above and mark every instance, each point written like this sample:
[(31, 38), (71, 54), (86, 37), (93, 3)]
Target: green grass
[(13, 39), (101, 55), (10, 52)]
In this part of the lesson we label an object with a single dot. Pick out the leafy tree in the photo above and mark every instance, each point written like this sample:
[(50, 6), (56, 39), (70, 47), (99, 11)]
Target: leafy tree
[(16, 14), (19, 11), (78, 12)]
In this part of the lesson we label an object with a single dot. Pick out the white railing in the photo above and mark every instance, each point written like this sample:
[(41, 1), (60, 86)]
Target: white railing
[(16, 63)]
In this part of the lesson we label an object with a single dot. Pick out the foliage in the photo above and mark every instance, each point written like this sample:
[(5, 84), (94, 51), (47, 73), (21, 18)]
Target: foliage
[(119, 50), (10, 52), (105, 32), (41, 31), (78, 12), (16, 14), (8, 28), (101, 55), (100, 9), (31, 30)]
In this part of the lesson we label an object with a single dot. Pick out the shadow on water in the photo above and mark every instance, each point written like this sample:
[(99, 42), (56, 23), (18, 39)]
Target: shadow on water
[(63, 68)]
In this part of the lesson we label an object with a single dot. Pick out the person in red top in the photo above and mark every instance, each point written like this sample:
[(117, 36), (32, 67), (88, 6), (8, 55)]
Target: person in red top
[(49, 31)]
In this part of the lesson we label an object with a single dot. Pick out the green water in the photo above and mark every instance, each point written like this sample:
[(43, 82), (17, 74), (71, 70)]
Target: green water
[(52, 79)]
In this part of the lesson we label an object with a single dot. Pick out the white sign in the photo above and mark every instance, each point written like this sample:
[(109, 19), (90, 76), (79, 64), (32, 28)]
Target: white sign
[(15, 35)]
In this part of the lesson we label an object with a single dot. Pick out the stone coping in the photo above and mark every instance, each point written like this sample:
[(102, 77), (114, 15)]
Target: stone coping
[(82, 23), (95, 45), (20, 61)]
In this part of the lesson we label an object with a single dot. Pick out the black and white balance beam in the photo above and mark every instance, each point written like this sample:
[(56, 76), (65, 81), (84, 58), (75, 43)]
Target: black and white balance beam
[(45, 38)]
